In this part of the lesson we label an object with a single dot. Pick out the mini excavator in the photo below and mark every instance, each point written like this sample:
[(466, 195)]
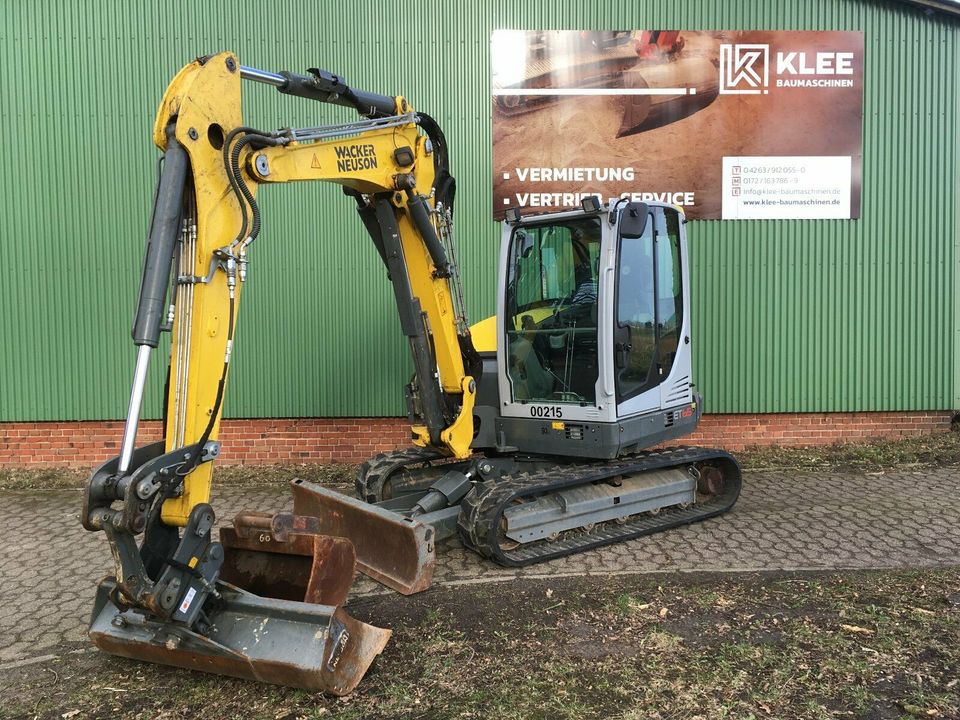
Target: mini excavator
[(529, 434)]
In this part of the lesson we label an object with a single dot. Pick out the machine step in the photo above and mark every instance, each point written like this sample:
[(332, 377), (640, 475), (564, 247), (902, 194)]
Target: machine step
[(585, 505)]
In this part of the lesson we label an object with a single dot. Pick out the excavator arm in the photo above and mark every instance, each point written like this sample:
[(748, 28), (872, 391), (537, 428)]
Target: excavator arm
[(390, 168), (393, 162)]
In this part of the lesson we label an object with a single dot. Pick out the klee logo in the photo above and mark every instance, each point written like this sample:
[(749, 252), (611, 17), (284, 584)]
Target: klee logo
[(822, 63), (743, 68)]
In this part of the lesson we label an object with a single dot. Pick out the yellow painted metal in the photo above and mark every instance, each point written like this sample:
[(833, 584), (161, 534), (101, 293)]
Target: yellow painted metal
[(459, 435), (363, 162), (420, 435), (205, 102), (484, 334)]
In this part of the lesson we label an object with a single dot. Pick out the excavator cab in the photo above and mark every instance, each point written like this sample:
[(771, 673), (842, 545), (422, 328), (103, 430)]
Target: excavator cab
[(592, 348)]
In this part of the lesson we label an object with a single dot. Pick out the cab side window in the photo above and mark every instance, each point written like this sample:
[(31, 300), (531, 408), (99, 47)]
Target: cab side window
[(649, 304), (635, 343), (669, 291)]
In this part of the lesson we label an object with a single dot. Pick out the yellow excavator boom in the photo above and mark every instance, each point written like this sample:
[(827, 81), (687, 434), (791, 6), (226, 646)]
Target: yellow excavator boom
[(167, 601), (386, 163)]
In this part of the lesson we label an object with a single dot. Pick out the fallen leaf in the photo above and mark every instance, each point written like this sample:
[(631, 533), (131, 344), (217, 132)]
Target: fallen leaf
[(857, 629), (549, 593), (663, 612), (70, 714)]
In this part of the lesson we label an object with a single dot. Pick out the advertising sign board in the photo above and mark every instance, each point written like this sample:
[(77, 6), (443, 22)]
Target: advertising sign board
[(726, 124)]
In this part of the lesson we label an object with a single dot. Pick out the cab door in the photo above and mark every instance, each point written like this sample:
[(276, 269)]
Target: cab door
[(553, 306), (650, 318)]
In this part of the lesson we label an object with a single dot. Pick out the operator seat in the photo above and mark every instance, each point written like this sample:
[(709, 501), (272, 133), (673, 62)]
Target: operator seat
[(531, 381)]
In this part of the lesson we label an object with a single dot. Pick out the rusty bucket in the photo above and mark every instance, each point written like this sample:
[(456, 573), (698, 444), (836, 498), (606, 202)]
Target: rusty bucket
[(393, 549), (308, 568), (389, 547), (277, 619)]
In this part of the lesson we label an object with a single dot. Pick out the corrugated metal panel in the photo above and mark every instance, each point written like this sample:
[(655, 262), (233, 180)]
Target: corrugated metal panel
[(851, 315)]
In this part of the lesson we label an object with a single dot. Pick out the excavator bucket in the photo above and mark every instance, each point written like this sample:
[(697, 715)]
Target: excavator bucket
[(696, 83), (390, 548), (311, 568), (292, 632)]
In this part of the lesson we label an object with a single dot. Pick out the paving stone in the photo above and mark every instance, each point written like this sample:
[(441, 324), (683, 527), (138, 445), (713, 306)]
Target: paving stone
[(783, 520)]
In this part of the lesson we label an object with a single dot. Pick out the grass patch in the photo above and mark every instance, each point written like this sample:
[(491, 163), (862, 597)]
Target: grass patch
[(42, 478), (927, 451), (857, 645)]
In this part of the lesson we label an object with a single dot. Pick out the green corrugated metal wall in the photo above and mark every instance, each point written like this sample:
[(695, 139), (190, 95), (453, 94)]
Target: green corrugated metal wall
[(789, 316)]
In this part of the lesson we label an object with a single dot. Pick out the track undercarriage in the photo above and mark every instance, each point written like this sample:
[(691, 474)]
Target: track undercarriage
[(513, 510), (528, 510)]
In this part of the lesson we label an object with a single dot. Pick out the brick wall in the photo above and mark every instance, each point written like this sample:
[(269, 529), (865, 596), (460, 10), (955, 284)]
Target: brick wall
[(735, 432), (301, 440)]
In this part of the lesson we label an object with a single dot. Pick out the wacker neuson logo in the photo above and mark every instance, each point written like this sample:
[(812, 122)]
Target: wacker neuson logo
[(745, 69)]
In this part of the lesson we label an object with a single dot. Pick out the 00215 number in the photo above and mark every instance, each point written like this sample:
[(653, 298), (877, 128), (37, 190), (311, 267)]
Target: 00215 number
[(549, 411)]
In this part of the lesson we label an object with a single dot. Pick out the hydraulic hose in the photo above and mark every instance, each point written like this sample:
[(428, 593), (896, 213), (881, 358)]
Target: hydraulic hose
[(236, 180), (191, 463), (444, 183), (246, 200)]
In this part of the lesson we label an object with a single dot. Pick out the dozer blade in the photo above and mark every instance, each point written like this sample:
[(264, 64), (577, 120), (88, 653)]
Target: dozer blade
[(304, 645), (392, 549)]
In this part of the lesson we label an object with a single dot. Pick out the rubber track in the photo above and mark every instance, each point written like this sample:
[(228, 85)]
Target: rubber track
[(374, 472), (481, 510)]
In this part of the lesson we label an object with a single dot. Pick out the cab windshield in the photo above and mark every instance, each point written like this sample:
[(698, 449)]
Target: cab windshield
[(551, 311)]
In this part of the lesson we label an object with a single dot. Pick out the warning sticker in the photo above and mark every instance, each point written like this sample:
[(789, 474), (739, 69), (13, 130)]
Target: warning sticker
[(187, 599)]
